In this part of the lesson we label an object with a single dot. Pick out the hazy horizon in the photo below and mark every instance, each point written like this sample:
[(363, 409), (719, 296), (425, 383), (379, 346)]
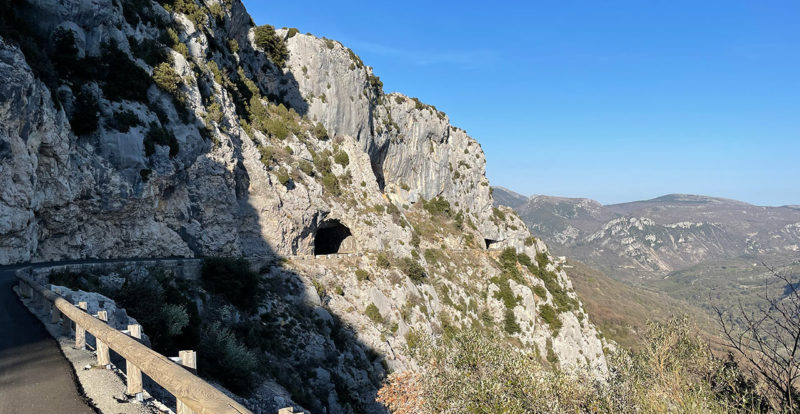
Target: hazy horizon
[(616, 101), (638, 199)]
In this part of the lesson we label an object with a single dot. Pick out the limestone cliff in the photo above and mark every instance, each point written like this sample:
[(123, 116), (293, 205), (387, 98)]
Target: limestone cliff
[(141, 129)]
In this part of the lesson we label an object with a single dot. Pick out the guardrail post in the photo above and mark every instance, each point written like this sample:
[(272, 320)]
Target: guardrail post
[(103, 358), (188, 359), (133, 373), (55, 314), (40, 302), (80, 332)]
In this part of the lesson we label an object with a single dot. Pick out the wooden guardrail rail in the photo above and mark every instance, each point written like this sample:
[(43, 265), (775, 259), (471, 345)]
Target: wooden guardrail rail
[(194, 393)]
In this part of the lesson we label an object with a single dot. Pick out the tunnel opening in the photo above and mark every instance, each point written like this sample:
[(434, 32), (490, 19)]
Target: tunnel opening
[(330, 237), (489, 243)]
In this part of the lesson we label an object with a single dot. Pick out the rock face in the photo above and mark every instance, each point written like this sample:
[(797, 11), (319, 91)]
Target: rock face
[(665, 234), (141, 132)]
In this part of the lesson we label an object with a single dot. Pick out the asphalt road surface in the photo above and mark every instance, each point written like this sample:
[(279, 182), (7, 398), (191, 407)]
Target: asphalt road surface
[(34, 376)]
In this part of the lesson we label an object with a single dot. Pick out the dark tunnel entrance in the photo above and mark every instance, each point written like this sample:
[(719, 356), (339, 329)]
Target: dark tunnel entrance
[(489, 243), (330, 236)]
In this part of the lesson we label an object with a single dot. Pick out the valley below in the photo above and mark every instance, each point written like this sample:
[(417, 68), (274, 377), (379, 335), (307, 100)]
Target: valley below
[(683, 253)]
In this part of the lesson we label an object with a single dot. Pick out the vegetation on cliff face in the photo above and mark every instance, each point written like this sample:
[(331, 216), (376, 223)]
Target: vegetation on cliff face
[(473, 372), (267, 39), (328, 345)]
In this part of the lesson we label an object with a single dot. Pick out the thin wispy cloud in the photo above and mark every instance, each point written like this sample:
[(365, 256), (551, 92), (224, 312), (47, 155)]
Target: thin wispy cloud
[(465, 58)]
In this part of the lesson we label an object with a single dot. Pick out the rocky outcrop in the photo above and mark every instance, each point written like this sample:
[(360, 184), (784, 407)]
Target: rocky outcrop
[(149, 133)]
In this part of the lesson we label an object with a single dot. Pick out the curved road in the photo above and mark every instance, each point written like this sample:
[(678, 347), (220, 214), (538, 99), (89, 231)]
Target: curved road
[(34, 376)]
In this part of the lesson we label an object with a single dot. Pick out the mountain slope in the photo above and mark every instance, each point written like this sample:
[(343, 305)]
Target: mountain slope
[(505, 197), (664, 234), (621, 311)]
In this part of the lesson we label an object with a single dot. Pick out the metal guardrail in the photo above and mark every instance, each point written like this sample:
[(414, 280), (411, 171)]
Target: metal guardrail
[(195, 393)]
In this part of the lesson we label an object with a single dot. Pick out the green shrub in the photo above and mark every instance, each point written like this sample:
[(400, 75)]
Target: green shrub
[(413, 270), (524, 260), (86, 115), (373, 313), (233, 280), (341, 158), (505, 294), (149, 50), (192, 10), (319, 288), (549, 315), (510, 324), (122, 77), (551, 355), (375, 83), (275, 47), (214, 112), (331, 184), (135, 10), (306, 168), (65, 51), (172, 39), (322, 162), (226, 359), (529, 241), (382, 261), (459, 220), (319, 131), (413, 339), (157, 135), (362, 275), (561, 298), (418, 105), (437, 206), (283, 176), (356, 61), (405, 186), (166, 314), (499, 214), (542, 260), (165, 76), (292, 32), (432, 256), (175, 318), (125, 120), (266, 155), (540, 291), (233, 45), (275, 127), (508, 259)]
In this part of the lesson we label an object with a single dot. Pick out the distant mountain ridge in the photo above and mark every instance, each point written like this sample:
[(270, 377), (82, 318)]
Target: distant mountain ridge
[(667, 233)]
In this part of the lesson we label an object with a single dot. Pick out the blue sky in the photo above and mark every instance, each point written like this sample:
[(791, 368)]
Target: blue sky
[(613, 100)]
